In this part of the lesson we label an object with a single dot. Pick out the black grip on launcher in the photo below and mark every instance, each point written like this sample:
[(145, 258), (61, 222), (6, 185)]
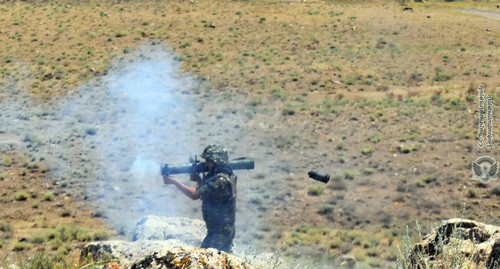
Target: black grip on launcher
[(199, 167)]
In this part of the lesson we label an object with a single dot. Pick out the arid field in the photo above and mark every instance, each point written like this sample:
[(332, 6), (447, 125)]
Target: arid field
[(95, 95)]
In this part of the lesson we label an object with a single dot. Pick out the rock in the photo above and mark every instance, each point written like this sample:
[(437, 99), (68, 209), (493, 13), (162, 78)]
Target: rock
[(171, 243), (171, 254), (151, 234), (91, 131), (124, 251), (48, 76), (190, 258), (476, 244), (348, 261), (190, 232), (496, 191)]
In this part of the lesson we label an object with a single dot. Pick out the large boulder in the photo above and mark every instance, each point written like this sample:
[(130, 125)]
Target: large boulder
[(157, 254), (463, 242), (190, 258), (123, 252), (188, 231), (162, 254), (164, 242)]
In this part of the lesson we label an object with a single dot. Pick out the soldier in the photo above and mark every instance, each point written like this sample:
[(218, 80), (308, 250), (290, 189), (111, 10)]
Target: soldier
[(217, 191)]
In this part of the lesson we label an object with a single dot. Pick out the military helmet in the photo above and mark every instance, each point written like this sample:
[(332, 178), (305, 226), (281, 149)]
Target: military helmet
[(216, 153)]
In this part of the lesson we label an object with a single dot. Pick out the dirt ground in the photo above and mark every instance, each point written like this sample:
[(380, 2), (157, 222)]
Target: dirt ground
[(398, 146)]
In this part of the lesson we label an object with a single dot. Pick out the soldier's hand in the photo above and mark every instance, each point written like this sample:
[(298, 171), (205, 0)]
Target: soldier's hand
[(195, 177), (168, 180)]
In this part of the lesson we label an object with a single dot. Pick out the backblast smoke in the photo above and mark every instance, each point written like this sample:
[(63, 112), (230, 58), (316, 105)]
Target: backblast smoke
[(110, 135)]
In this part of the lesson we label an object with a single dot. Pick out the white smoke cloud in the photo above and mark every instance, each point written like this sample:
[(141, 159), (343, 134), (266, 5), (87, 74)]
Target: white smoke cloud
[(111, 135), (108, 138)]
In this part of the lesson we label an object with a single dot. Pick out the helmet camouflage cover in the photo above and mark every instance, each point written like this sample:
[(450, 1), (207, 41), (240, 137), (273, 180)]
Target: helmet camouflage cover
[(216, 153)]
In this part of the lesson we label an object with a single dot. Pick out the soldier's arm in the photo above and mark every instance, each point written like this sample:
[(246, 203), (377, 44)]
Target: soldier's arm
[(189, 191)]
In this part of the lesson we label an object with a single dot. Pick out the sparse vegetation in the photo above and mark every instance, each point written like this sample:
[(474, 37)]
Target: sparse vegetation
[(48, 196), (6, 230), (315, 190), (449, 254), (22, 246), (326, 209), (442, 75), (381, 99), (7, 161), (21, 196), (407, 148), (362, 244), (367, 150)]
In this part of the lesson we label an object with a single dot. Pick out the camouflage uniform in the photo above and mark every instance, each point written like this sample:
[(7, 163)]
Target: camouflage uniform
[(218, 193)]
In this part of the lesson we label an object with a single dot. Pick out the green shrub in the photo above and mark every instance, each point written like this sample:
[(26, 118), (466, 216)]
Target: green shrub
[(326, 209), (472, 193), (375, 139), (48, 196), (100, 235), (367, 150), (7, 161), (21, 196), (288, 111), (36, 204), (429, 179), (350, 80), (455, 103), (23, 171), (6, 230), (38, 239), (7, 59), (66, 213), (349, 175), (55, 244), (315, 190), (22, 246), (255, 102), (442, 76), (71, 233), (278, 93), (368, 171)]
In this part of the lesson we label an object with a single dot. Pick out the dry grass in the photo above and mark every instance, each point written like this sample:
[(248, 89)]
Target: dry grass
[(39, 216), (369, 66), (52, 47)]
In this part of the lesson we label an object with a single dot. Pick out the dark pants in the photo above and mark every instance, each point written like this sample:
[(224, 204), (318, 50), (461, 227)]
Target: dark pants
[(219, 239)]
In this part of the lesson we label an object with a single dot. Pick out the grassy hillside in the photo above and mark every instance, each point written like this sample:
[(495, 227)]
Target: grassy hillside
[(383, 99), (54, 46)]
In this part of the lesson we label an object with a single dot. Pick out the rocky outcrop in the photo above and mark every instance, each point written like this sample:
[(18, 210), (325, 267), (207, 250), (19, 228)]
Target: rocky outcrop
[(462, 242), (151, 234), (190, 232), (123, 252), (158, 254), (192, 258), (164, 242)]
